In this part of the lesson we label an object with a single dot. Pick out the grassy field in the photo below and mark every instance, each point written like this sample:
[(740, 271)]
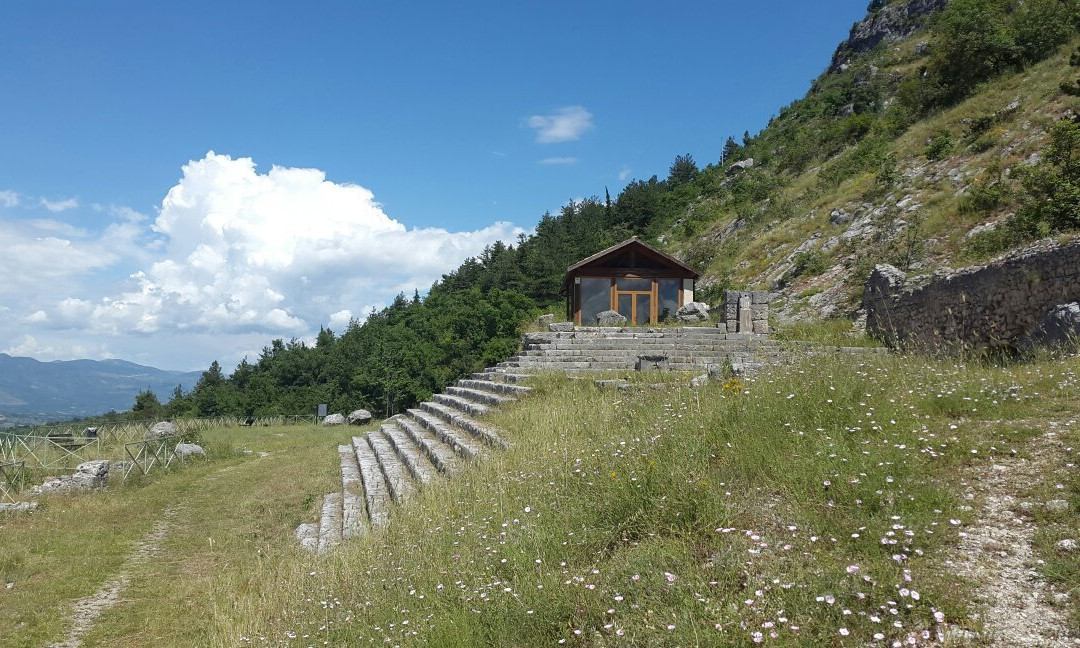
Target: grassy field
[(814, 505), (231, 515)]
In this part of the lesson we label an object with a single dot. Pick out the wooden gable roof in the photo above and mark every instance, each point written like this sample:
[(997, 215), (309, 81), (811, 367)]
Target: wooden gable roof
[(642, 255), (636, 245)]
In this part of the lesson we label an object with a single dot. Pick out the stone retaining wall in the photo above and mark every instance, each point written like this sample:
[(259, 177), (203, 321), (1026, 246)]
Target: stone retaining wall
[(982, 307)]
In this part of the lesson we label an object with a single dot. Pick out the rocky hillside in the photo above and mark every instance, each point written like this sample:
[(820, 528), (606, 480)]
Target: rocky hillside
[(902, 152)]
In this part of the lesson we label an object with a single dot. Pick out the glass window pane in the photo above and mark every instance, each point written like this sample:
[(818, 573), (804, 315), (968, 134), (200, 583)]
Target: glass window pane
[(595, 298), (626, 304), (634, 284), (669, 298), (644, 303)]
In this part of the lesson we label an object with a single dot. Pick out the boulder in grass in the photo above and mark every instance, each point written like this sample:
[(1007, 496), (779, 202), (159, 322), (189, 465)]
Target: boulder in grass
[(334, 419), (161, 429), (610, 318), (544, 320), (693, 312), (186, 450), (1060, 327), (359, 417)]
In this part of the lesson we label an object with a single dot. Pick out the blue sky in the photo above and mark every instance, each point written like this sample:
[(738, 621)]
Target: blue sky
[(434, 129)]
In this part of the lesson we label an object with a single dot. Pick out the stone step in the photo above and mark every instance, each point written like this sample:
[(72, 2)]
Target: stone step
[(480, 396), (354, 520), (420, 467), (457, 440), (330, 522), (489, 434), (397, 475), (441, 455), (461, 404), (308, 535), (494, 386), (515, 377), (376, 492)]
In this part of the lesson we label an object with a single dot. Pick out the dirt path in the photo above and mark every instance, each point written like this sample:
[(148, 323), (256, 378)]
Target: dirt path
[(88, 609), (997, 555)]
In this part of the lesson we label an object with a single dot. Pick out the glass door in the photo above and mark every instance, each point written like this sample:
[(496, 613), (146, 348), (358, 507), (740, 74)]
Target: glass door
[(634, 299)]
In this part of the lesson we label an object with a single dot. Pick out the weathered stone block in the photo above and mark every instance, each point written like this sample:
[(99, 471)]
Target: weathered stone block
[(761, 327), (561, 327), (656, 362)]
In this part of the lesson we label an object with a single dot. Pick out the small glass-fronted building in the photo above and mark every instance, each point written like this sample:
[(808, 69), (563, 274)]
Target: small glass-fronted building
[(642, 283)]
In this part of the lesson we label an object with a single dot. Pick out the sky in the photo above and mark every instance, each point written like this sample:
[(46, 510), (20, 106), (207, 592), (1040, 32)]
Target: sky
[(184, 182)]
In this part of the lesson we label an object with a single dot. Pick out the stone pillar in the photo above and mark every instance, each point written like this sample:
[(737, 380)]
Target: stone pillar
[(745, 321)]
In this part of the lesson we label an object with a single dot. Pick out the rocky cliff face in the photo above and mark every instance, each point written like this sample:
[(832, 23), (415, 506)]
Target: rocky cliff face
[(890, 24)]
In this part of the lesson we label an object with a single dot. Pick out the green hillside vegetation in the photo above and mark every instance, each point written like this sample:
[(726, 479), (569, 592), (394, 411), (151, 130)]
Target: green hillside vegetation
[(948, 119)]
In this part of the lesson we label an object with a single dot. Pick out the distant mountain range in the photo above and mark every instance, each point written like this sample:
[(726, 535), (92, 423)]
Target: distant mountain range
[(32, 391)]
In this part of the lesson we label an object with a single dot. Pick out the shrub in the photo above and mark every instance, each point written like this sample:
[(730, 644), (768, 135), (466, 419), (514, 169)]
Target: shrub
[(939, 146), (1052, 200), (982, 198), (808, 263)]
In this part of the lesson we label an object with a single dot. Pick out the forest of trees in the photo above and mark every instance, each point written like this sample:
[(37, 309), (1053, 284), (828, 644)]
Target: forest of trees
[(471, 317)]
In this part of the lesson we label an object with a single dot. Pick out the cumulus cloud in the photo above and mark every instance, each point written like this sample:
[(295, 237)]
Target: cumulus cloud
[(30, 346), (9, 198), (566, 124), (559, 161), (279, 253), (340, 320), (57, 206)]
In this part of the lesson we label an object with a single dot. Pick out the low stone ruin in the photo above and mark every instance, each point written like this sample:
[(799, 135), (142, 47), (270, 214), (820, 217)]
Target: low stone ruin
[(88, 475)]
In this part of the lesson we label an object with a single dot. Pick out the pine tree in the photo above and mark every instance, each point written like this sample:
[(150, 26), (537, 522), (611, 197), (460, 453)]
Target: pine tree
[(731, 150)]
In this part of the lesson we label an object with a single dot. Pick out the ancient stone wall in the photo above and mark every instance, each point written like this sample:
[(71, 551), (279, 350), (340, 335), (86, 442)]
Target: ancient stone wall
[(982, 307), (746, 311)]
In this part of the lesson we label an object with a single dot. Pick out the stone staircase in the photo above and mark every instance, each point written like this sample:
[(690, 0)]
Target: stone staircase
[(414, 450), (409, 452), (687, 348)]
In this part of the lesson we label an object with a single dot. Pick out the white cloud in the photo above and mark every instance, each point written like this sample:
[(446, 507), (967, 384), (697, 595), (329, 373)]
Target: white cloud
[(565, 125), (279, 253), (9, 198), (57, 206), (31, 347), (625, 172), (35, 259), (339, 321), (559, 161)]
